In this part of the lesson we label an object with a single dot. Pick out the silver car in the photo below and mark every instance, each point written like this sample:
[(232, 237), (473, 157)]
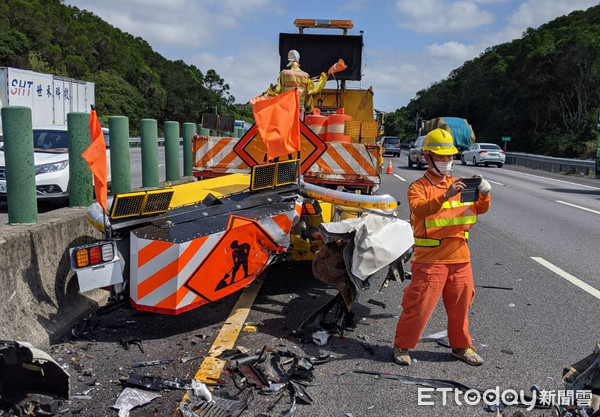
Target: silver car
[(415, 154), (484, 153)]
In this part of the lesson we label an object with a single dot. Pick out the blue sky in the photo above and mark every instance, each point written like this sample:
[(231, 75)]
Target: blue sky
[(408, 44)]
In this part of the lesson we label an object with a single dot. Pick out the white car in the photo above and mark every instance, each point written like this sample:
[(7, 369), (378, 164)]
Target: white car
[(484, 153), (51, 160)]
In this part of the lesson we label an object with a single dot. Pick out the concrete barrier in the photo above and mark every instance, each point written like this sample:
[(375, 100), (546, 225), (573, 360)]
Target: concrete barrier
[(39, 293)]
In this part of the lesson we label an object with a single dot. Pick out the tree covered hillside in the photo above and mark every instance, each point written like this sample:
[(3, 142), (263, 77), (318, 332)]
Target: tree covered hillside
[(542, 90), (131, 79)]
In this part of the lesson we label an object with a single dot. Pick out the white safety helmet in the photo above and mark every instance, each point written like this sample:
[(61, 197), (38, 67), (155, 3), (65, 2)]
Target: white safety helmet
[(293, 56)]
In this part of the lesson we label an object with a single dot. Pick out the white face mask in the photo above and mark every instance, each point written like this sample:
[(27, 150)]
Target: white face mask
[(443, 167)]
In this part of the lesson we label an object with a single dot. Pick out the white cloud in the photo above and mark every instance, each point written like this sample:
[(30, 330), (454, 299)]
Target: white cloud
[(248, 74), (454, 52), (442, 16)]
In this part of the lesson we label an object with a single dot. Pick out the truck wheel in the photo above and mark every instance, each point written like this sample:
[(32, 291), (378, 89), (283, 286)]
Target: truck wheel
[(462, 160), (474, 161), (499, 164), (410, 162), (419, 164)]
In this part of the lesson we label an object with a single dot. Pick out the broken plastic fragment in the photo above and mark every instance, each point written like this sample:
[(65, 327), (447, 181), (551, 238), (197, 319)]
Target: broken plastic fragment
[(320, 338), (131, 398), (249, 329), (435, 336), (201, 390)]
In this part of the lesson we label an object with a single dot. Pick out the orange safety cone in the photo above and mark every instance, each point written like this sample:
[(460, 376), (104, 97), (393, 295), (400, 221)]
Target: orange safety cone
[(390, 169)]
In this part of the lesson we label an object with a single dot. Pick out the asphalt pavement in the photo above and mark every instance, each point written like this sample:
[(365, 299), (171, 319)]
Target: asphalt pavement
[(537, 242)]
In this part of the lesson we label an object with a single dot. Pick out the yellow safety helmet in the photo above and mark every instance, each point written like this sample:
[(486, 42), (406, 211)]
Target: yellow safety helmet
[(440, 141)]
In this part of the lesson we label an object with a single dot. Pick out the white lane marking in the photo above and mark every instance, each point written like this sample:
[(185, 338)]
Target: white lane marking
[(575, 281), (579, 207), (495, 182), (399, 177), (553, 179)]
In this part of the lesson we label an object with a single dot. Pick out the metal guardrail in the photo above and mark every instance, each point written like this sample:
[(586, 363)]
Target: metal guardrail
[(585, 167)]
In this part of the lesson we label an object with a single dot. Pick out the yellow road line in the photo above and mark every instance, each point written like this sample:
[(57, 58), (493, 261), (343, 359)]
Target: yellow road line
[(212, 366)]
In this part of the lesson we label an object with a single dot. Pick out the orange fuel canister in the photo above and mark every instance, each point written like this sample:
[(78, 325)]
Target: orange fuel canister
[(317, 123), (336, 124)]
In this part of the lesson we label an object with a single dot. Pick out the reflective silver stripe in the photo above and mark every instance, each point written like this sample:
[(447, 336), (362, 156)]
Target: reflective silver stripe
[(440, 144)]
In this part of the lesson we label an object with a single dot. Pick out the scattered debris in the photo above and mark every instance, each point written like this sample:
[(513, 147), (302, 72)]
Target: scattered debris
[(494, 287), (249, 329), (320, 338), (126, 342), (507, 351), (434, 336), (152, 363), (190, 358), (512, 305), (25, 369), (131, 398), (155, 383), (377, 303), (443, 342)]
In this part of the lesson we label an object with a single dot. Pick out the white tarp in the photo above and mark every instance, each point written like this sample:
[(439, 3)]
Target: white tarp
[(378, 241)]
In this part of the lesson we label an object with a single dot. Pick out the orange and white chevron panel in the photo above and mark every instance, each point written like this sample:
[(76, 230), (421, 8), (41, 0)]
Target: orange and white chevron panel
[(171, 278), (346, 162), (216, 155)]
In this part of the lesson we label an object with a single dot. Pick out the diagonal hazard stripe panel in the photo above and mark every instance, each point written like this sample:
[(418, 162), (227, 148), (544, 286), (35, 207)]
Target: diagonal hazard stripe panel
[(170, 270), (365, 165), (152, 250), (213, 151), (345, 166)]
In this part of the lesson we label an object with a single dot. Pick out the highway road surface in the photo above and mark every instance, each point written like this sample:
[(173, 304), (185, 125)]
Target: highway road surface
[(539, 242)]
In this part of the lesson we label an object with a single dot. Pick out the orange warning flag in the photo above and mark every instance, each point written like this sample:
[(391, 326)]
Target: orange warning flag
[(95, 155), (337, 67), (277, 121)]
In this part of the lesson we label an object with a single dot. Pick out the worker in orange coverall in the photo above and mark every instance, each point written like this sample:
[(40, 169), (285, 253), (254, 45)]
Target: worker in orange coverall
[(442, 261)]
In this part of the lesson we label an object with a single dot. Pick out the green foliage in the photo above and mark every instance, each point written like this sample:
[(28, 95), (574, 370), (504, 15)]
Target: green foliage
[(542, 90), (131, 79)]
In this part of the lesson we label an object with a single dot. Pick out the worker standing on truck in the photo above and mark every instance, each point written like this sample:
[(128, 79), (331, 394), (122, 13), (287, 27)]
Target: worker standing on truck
[(442, 261), (294, 77)]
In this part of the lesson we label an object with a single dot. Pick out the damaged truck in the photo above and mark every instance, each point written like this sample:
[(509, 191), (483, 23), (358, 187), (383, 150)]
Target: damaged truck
[(173, 249)]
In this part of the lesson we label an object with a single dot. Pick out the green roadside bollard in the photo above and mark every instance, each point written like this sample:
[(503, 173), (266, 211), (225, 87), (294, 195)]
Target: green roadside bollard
[(149, 142), (213, 132), (120, 164), (172, 151), (80, 176), (189, 130), (239, 132), (204, 132), (20, 169)]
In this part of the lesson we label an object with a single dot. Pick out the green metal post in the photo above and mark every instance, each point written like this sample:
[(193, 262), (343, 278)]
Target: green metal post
[(597, 174), (80, 176), (20, 170), (213, 133), (239, 132), (204, 132), (189, 130), (149, 138), (120, 164), (172, 151)]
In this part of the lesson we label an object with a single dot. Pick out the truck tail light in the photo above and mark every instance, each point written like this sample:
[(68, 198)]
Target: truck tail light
[(94, 254), (482, 152), (82, 259)]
